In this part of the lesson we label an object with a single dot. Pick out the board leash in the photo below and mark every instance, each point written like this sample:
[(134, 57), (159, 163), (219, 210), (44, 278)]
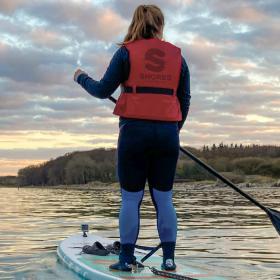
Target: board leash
[(169, 274), (146, 248), (160, 272)]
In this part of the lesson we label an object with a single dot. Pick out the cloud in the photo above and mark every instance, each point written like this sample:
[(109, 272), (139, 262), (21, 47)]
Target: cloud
[(201, 53), (239, 11), (8, 6), (50, 39), (11, 166), (231, 49), (84, 18), (126, 8), (32, 65)]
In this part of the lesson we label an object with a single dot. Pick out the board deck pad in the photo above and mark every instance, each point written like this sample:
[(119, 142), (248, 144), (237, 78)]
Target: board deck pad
[(97, 267)]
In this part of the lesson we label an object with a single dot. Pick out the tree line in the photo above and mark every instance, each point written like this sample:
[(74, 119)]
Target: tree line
[(100, 165), (8, 180), (72, 168)]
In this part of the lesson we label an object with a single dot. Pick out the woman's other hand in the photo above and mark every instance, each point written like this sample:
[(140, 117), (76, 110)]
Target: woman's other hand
[(78, 73)]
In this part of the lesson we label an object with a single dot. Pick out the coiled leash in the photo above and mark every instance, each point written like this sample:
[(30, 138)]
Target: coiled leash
[(169, 274)]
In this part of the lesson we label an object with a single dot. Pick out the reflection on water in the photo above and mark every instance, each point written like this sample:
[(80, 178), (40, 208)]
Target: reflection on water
[(218, 229)]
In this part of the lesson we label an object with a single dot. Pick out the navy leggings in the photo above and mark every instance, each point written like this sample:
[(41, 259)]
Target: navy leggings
[(147, 151)]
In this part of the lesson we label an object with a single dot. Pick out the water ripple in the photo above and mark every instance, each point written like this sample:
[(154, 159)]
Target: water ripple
[(218, 229)]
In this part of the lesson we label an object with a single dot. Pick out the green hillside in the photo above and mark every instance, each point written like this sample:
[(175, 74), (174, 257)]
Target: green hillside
[(100, 165)]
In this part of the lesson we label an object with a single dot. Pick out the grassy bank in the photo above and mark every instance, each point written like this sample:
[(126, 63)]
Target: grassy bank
[(247, 181)]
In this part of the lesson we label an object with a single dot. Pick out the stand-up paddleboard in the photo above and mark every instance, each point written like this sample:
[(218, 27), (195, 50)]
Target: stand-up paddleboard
[(94, 267)]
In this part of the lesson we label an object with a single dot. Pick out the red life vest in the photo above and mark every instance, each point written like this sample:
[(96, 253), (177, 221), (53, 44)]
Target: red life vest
[(151, 89)]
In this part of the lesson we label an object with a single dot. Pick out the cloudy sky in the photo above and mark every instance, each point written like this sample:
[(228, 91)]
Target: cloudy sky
[(231, 47)]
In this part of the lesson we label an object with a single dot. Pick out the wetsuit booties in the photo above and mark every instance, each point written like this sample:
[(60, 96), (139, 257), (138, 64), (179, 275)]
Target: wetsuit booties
[(168, 249), (126, 258)]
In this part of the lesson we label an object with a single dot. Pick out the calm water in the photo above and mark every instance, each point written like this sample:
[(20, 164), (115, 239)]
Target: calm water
[(218, 230)]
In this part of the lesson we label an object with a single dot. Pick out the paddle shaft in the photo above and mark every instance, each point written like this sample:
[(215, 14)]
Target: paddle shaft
[(222, 178), (215, 173)]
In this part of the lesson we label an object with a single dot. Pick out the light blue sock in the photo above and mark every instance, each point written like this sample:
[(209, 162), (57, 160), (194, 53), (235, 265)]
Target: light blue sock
[(129, 218), (166, 215)]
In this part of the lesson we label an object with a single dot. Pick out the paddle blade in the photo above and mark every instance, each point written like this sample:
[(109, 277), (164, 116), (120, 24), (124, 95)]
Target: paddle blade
[(274, 216)]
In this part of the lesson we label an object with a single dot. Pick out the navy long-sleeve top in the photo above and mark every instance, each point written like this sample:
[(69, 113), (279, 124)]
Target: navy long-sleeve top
[(118, 72)]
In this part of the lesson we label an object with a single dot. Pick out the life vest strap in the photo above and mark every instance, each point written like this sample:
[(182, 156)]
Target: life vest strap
[(155, 90)]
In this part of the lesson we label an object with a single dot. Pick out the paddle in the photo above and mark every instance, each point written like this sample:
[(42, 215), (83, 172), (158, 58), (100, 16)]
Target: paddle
[(273, 215)]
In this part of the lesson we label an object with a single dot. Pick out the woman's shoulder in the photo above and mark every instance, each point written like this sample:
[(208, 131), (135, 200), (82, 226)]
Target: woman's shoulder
[(120, 55), (122, 51), (184, 66)]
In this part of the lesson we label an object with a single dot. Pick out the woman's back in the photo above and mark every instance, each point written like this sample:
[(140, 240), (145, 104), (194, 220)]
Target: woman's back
[(153, 106)]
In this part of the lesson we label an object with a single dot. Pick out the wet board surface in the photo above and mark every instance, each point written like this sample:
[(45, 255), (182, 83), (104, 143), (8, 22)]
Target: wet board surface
[(97, 267)]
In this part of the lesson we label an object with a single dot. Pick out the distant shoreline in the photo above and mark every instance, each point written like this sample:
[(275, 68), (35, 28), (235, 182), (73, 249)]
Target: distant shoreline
[(177, 185)]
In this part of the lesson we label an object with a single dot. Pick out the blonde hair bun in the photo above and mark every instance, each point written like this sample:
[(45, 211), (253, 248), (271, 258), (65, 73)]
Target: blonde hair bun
[(147, 22)]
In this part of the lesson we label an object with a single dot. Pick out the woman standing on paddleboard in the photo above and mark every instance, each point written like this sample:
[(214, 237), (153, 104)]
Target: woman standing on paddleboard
[(153, 106)]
